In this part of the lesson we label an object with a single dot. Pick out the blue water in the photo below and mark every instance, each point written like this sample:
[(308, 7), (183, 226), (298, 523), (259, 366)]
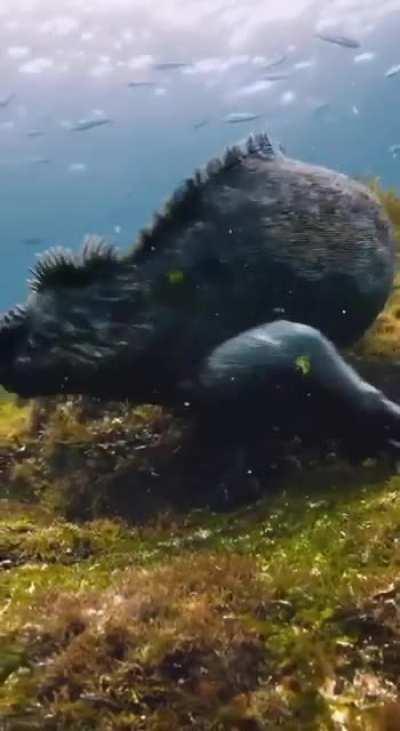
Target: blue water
[(65, 63)]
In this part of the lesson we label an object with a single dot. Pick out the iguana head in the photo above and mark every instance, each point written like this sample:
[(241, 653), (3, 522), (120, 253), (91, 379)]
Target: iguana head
[(78, 331)]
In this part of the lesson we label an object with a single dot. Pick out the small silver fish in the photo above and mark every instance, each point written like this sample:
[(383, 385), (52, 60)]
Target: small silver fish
[(238, 117), (276, 77), (275, 61), (141, 84), (321, 108), (39, 161), (170, 66), (34, 133), (32, 241), (202, 123), (393, 71), (5, 100), (85, 124), (395, 151), (339, 40)]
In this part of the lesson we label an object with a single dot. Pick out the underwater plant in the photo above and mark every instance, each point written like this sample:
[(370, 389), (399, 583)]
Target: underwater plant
[(391, 201)]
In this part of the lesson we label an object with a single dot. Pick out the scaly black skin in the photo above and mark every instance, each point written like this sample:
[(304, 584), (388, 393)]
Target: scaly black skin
[(225, 305)]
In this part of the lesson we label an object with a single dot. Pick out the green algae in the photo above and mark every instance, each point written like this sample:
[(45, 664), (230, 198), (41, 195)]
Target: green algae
[(391, 202), (296, 572), (303, 363), (383, 337), (101, 619)]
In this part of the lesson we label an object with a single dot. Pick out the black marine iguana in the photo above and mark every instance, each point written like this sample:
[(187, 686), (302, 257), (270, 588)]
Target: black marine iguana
[(225, 304)]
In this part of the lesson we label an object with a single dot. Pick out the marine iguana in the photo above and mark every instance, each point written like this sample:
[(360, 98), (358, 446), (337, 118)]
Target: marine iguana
[(229, 303)]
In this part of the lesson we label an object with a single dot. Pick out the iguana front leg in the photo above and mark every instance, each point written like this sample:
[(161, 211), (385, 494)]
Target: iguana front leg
[(287, 375)]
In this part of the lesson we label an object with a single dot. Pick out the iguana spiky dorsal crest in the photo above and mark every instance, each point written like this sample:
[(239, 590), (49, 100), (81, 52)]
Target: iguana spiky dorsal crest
[(64, 268), (11, 319), (180, 206)]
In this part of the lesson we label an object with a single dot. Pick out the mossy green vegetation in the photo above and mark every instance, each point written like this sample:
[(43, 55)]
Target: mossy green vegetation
[(130, 601), (279, 613), (391, 201), (382, 341), (283, 613)]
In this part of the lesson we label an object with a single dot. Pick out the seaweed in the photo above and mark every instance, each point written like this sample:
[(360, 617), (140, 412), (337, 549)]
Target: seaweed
[(382, 341), (282, 612), (391, 202)]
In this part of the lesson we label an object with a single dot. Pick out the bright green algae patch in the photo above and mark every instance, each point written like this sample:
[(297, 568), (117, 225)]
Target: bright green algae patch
[(281, 614)]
